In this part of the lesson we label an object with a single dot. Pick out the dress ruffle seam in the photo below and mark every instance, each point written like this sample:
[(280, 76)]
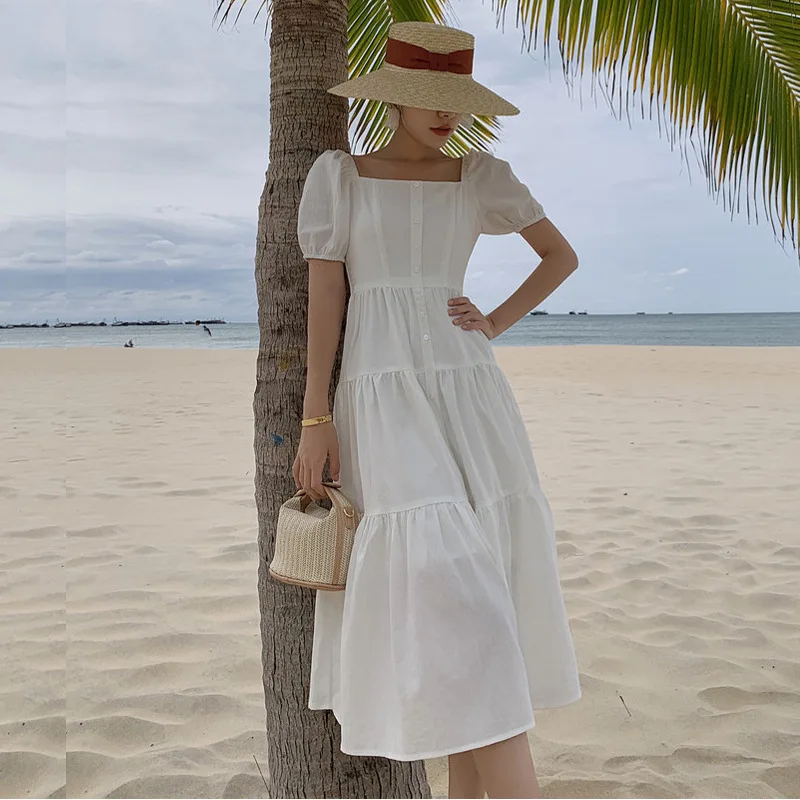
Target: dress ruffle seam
[(365, 286), (530, 489), (433, 370)]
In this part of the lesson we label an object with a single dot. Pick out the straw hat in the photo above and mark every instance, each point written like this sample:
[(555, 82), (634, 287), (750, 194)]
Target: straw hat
[(428, 66)]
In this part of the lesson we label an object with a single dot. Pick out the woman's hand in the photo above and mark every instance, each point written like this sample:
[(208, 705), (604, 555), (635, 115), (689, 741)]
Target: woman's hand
[(466, 314), (318, 443)]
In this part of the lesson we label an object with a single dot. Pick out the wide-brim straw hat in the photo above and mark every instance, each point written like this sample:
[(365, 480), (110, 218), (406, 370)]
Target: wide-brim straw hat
[(428, 66)]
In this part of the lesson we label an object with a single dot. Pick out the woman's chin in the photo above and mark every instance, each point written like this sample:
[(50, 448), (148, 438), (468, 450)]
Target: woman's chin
[(436, 141)]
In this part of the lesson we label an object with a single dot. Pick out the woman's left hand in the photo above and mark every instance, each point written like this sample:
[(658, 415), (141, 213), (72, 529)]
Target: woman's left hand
[(466, 314)]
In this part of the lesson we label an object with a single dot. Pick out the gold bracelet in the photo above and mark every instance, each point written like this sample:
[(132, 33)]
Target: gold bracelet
[(317, 420)]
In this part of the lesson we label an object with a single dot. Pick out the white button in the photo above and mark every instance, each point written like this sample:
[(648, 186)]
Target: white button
[(416, 269), (426, 337), (417, 291), (416, 183), (422, 312), (416, 220), (416, 246)]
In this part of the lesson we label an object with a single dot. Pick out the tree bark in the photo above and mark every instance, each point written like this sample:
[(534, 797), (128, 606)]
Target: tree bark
[(308, 55)]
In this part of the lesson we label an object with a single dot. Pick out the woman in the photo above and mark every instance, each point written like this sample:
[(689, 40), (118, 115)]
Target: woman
[(452, 629)]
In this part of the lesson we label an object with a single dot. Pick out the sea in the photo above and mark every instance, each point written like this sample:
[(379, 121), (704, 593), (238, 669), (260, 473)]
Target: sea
[(711, 330)]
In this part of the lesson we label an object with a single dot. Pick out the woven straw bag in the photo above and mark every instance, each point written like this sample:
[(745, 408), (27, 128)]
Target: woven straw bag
[(313, 544)]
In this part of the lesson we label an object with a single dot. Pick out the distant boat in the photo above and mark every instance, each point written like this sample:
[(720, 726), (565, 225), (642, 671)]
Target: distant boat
[(583, 313), (640, 313), (573, 313), (537, 313)]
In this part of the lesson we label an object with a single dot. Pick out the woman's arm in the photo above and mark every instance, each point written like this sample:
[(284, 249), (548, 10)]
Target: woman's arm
[(326, 292), (558, 262), (318, 443)]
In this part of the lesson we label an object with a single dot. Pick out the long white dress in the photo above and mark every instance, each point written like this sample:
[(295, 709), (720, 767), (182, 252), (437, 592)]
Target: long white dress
[(452, 628)]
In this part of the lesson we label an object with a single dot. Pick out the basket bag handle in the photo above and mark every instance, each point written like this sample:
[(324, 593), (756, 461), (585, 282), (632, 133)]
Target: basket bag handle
[(339, 501)]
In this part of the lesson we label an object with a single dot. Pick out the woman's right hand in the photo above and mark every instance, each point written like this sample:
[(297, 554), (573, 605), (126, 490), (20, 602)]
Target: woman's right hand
[(318, 443)]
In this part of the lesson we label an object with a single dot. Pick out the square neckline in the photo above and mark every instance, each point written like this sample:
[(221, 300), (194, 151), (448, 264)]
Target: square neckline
[(361, 177)]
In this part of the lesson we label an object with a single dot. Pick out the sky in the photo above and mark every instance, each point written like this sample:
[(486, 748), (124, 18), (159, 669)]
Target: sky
[(134, 141)]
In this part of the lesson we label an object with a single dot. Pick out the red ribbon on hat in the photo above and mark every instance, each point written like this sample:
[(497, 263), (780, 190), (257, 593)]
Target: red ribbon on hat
[(411, 56)]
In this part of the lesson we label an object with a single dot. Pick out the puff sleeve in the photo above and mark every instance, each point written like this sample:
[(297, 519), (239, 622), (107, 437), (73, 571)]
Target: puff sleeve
[(505, 203), (323, 220)]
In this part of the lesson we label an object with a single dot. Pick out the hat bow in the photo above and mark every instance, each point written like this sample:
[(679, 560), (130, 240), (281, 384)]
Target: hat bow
[(411, 56)]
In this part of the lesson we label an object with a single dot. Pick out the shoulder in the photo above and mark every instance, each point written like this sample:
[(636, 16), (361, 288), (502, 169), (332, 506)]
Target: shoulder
[(334, 163), (505, 203), (480, 165)]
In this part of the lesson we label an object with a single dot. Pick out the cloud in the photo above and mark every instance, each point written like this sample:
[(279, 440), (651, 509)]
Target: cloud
[(100, 267), (134, 142)]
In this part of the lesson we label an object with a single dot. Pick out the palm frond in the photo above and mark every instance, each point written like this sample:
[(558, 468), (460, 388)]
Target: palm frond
[(723, 74), (224, 8)]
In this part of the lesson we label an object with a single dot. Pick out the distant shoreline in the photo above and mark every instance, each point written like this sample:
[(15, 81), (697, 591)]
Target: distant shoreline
[(115, 324), (770, 329), (159, 323)]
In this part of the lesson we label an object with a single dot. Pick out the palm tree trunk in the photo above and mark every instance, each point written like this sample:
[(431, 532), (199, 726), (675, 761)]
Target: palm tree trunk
[(308, 54)]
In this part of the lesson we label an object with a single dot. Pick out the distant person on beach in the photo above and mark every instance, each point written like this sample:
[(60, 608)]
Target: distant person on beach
[(453, 628), (129, 343), (207, 329)]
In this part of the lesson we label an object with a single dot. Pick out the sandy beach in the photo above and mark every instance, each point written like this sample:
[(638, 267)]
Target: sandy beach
[(128, 559)]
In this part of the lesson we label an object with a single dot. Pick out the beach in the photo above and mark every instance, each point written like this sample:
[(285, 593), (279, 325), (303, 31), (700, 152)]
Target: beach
[(128, 565)]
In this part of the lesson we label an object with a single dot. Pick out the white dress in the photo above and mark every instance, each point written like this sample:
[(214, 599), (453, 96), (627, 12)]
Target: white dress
[(452, 628)]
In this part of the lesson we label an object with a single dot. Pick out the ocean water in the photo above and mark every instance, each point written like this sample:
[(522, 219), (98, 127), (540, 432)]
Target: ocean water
[(720, 330)]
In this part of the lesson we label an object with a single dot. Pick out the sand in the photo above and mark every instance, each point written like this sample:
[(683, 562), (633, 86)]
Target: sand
[(126, 500)]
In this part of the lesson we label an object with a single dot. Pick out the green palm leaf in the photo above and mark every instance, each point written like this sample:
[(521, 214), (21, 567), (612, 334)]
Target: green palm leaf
[(723, 74)]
